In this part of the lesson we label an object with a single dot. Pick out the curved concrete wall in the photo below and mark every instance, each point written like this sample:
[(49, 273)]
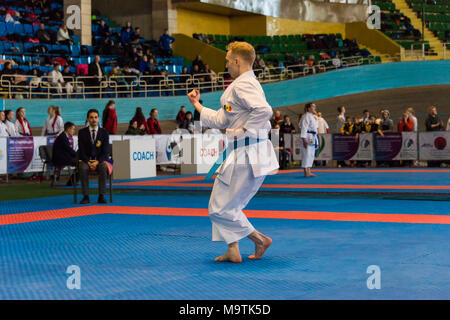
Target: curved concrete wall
[(322, 86)]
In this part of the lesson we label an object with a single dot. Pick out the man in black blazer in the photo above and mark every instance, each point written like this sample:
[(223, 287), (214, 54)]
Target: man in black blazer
[(95, 70), (93, 151), (63, 153)]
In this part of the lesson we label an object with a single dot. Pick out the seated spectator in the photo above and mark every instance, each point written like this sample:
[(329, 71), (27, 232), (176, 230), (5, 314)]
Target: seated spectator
[(54, 124), (23, 127), (153, 123), (287, 126), (133, 129), (109, 118), (276, 119), (116, 75), (12, 75), (181, 116), (45, 36), (198, 62), (67, 74), (433, 123), (56, 79), (210, 75), (165, 44), (386, 124), (3, 127), (63, 36), (323, 125), (188, 123), (140, 119), (406, 123), (10, 123), (95, 71), (93, 152), (102, 30), (336, 61), (259, 63), (136, 35), (311, 63), (63, 153), (144, 66), (347, 128)]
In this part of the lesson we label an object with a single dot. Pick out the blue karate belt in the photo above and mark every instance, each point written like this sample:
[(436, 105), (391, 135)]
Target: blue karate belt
[(316, 140), (231, 146)]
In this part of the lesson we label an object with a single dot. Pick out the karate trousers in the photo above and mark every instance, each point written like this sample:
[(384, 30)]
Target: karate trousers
[(229, 223)]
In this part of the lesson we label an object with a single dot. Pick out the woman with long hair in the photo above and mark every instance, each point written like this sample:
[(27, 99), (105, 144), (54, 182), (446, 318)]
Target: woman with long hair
[(54, 124), (140, 119), (9, 122), (3, 128), (22, 125), (109, 118)]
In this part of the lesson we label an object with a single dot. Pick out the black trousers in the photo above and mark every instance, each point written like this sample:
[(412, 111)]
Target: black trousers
[(102, 171)]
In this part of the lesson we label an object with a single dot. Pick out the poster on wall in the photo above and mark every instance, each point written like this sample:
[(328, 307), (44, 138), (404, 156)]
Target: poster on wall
[(324, 148), (434, 145), (23, 154), (3, 155), (167, 147), (352, 147), (396, 146)]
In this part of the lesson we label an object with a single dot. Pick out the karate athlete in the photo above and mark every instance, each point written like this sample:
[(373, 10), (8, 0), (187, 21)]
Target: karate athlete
[(309, 126), (244, 113)]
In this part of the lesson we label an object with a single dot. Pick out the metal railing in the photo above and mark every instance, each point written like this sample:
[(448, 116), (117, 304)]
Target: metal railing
[(118, 86)]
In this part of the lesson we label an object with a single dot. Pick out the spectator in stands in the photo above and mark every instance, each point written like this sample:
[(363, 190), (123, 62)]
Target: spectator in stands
[(198, 62), (3, 127), (117, 76), (406, 123), (340, 119), (259, 63), (448, 124), (210, 75), (12, 75), (181, 116), (165, 44), (126, 33), (22, 125), (45, 36), (95, 70), (144, 66), (56, 79), (323, 125), (10, 123), (276, 119), (153, 123), (413, 118), (63, 153), (372, 126), (366, 116), (311, 63), (102, 30), (133, 129), (386, 124), (358, 126), (93, 151), (433, 123), (287, 126), (188, 123), (54, 124), (67, 74), (136, 35), (336, 61), (140, 119), (63, 36), (109, 118), (347, 127), (185, 70)]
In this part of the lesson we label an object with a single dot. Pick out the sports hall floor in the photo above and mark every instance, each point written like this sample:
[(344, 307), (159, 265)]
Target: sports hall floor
[(153, 241)]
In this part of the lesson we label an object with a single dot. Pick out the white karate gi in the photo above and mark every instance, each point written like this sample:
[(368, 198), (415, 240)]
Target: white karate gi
[(11, 127), (243, 105), (309, 129), (50, 129), (3, 130), (55, 78)]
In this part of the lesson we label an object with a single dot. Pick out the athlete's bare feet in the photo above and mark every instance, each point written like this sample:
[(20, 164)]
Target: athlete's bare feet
[(232, 255), (310, 175), (262, 243)]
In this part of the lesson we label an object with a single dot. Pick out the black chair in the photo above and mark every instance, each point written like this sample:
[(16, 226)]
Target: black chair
[(46, 154), (92, 173)]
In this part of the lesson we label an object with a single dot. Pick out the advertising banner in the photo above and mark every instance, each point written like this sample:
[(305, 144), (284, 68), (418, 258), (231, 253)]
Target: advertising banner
[(352, 147), (434, 145), (3, 155), (396, 146)]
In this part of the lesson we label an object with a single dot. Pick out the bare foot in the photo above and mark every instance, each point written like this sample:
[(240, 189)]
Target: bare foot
[(232, 255), (309, 175), (261, 247)]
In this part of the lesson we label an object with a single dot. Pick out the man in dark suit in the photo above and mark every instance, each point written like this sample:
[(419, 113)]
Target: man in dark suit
[(63, 153), (93, 151), (95, 70)]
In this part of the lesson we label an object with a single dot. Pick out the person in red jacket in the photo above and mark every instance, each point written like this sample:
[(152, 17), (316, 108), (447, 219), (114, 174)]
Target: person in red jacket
[(406, 123), (109, 118), (140, 119), (153, 122), (181, 116)]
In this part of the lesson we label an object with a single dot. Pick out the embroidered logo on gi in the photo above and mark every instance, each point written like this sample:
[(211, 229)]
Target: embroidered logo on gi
[(227, 108), (99, 143)]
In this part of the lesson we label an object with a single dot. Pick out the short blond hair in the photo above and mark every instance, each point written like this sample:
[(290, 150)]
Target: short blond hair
[(244, 50)]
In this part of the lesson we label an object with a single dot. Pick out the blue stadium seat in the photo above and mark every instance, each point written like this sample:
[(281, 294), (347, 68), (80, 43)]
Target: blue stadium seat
[(27, 46), (10, 28), (2, 29), (7, 46), (25, 68), (2, 19), (17, 45), (18, 28), (35, 28), (75, 50), (28, 29), (76, 39)]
